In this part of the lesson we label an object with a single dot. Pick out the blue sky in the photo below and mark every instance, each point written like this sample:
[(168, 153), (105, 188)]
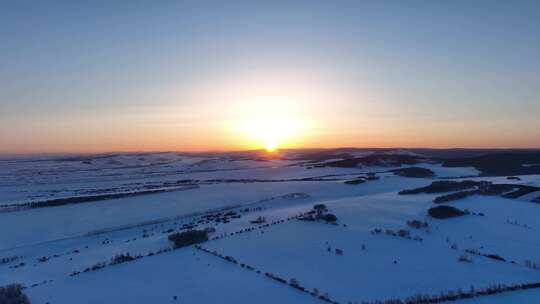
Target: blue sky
[(175, 75)]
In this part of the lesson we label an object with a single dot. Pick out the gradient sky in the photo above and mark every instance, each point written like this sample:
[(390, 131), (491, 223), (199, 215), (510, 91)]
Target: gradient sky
[(91, 76)]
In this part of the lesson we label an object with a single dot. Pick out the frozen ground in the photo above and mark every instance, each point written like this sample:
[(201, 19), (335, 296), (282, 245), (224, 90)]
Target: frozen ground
[(51, 243)]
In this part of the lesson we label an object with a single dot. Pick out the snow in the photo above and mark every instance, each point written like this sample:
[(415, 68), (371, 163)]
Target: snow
[(192, 276), (77, 236), (299, 250)]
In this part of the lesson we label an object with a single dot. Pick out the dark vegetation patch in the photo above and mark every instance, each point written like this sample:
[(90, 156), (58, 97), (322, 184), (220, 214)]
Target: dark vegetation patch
[(496, 257), (500, 164), (414, 172), (443, 186), (444, 212), (12, 294), (319, 212), (85, 199), (190, 237), (467, 188), (453, 196), (377, 160), (504, 190), (319, 156), (521, 191)]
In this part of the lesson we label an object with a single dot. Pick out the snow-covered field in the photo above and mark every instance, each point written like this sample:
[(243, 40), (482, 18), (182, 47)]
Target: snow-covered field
[(49, 244)]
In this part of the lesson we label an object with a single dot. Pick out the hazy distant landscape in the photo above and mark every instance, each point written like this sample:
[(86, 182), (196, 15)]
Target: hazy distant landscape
[(299, 226)]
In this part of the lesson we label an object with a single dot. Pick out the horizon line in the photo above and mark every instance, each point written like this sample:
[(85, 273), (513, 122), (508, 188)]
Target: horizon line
[(257, 150)]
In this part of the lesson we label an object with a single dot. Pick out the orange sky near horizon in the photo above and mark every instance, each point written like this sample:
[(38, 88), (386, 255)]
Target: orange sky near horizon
[(231, 135), (239, 75)]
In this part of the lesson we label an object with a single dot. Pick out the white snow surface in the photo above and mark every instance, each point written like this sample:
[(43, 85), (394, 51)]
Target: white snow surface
[(373, 266)]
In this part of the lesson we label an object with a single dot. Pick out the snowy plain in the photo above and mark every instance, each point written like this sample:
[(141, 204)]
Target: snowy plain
[(54, 242)]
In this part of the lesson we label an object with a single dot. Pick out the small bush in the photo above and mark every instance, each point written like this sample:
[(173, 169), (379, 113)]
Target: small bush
[(189, 237), (12, 294), (443, 212)]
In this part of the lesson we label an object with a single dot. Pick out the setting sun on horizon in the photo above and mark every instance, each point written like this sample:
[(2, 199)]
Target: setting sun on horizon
[(269, 123)]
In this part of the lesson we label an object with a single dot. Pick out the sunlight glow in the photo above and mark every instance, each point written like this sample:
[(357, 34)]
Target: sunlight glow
[(271, 146), (269, 124)]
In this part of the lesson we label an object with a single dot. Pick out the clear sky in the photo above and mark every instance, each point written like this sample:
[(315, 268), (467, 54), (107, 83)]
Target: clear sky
[(89, 76)]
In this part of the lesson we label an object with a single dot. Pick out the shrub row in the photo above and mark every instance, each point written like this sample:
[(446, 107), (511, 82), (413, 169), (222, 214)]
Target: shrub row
[(458, 294), (292, 282), (119, 259), (443, 186), (244, 230), (402, 233), (487, 255), (9, 259)]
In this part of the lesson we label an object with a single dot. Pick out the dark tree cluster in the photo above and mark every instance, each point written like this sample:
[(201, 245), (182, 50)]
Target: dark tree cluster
[(415, 172), (467, 188), (444, 212), (319, 212), (12, 294), (190, 237), (459, 294), (502, 164), (389, 160), (443, 186)]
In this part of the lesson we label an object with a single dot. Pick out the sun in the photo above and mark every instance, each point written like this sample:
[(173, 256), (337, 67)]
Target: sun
[(271, 146), (268, 124), (268, 132)]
